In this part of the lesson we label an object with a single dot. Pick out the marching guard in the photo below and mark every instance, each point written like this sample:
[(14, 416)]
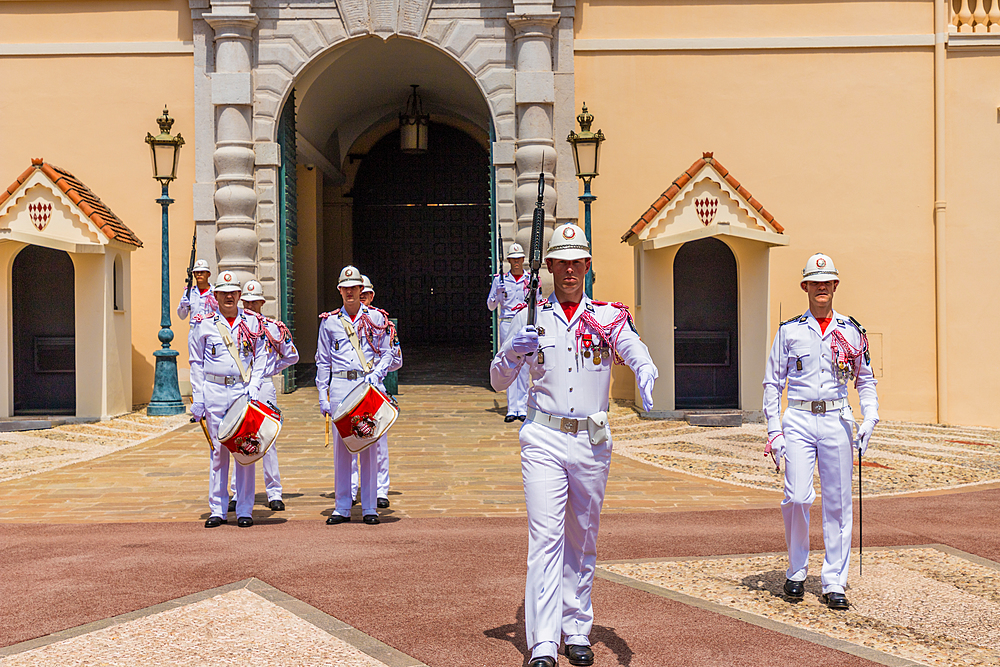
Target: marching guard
[(354, 345), (817, 354), (198, 299), (566, 442), (508, 291), (228, 360)]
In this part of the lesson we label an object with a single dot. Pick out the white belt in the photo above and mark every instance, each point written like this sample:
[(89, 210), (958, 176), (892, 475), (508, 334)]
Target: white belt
[(818, 407), (506, 319), (562, 424), (228, 380), (347, 375)]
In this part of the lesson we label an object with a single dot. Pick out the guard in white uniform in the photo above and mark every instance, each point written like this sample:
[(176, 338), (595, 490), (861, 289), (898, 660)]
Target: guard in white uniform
[(199, 300), (566, 443), (339, 368), (508, 291), (382, 444), (281, 353), (228, 359), (818, 354)]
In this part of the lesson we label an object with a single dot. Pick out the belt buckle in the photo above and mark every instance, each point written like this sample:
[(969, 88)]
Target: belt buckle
[(352, 375), (818, 407), (567, 425), (230, 380)]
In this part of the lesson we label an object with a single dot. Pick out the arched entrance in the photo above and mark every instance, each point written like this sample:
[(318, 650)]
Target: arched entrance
[(44, 332), (421, 232), (706, 331)]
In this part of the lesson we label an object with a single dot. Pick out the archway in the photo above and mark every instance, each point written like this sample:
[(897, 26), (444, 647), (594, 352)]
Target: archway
[(706, 326), (44, 332)]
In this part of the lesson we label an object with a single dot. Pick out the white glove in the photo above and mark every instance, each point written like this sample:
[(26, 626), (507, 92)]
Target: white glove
[(374, 378), (525, 341), (324, 408), (198, 411), (646, 381), (776, 448), (864, 434), (185, 301)]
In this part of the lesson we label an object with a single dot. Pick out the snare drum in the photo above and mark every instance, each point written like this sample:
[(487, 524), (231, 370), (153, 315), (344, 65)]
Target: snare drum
[(364, 416), (249, 429)]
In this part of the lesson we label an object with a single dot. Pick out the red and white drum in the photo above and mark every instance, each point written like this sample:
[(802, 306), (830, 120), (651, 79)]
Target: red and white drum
[(364, 416), (249, 429)]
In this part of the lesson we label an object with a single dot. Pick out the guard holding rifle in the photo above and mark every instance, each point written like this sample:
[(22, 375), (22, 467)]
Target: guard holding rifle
[(508, 291), (197, 300), (568, 345), (817, 354)]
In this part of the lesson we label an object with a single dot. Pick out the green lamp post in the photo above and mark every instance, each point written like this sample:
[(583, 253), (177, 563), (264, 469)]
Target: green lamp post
[(586, 156), (166, 151)]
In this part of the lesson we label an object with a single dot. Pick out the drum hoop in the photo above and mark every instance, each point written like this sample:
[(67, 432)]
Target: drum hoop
[(344, 409), (225, 434)]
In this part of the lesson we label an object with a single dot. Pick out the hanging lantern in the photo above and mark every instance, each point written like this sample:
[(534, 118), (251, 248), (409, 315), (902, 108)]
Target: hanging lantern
[(413, 125)]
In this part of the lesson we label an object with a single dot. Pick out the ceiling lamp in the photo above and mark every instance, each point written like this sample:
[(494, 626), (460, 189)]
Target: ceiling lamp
[(413, 125)]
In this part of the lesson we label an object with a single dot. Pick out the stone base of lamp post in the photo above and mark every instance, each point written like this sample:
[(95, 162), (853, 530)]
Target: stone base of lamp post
[(166, 398)]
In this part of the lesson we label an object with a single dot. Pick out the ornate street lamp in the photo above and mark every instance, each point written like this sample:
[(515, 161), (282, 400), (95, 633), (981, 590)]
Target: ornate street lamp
[(166, 150), (413, 125), (586, 156)]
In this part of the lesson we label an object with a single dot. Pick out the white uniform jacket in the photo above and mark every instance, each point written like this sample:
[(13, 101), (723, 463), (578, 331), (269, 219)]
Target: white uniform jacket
[(281, 353), (582, 389), (507, 292), (198, 303), (395, 350), (210, 356), (802, 356), (335, 353)]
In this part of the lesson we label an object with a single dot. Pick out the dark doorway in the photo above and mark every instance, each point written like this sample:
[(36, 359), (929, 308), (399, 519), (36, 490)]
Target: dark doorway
[(44, 324), (706, 335), (422, 234)]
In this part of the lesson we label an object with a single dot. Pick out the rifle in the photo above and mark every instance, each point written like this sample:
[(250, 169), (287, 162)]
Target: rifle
[(194, 249), (535, 254)]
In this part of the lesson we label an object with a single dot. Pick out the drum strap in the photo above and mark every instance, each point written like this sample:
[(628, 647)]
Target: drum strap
[(352, 335), (227, 339)]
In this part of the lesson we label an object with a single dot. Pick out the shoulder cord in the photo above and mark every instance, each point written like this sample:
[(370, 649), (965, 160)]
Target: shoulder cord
[(847, 357), (604, 330)]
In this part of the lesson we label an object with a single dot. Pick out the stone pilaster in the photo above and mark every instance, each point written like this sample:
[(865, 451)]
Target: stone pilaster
[(232, 98)]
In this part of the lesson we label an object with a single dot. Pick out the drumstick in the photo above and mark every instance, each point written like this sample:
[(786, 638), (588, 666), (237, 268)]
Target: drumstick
[(207, 436), (327, 444)]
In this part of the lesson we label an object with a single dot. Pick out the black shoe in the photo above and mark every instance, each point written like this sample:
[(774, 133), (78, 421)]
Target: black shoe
[(371, 519), (509, 418), (214, 522), (794, 589), (232, 505), (382, 503), (544, 661), (277, 505), (521, 418), (354, 502), (334, 519), (579, 655), (836, 600), (244, 521)]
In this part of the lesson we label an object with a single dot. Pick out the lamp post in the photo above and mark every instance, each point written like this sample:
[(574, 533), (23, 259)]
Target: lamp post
[(586, 156), (166, 151)]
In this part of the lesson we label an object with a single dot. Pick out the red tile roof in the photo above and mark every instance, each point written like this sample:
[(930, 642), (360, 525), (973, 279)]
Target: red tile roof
[(91, 205), (682, 180)]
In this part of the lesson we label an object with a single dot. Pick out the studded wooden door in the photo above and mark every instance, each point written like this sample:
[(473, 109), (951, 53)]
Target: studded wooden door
[(422, 234)]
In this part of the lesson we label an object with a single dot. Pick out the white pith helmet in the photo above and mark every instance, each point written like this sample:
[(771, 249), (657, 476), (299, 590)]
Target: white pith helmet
[(349, 277), (820, 269), (201, 265), (568, 242), (253, 291), (228, 282), (515, 251), (367, 285)]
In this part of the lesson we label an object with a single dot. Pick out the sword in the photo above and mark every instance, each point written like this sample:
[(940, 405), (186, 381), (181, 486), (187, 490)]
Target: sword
[(207, 436)]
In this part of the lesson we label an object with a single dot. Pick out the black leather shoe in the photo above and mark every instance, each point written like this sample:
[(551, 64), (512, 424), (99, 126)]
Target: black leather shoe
[(277, 505), (382, 503), (579, 655), (354, 502), (509, 418), (794, 589), (545, 661), (371, 519), (214, 522), (521, 418), (244, 521), (232, 505), (836, 600), (335, 519)]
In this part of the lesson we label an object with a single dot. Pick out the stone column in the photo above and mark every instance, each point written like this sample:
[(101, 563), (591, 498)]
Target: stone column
[(534, 99), (232, 97)]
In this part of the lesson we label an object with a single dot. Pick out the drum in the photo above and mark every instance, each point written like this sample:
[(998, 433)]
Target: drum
[(249, 429), (364, 416)]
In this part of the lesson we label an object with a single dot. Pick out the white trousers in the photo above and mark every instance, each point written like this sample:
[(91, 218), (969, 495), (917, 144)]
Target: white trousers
[(824, 440), (218, 398), (342, 458), (381, 474), (517, 392), (564, 483), (269, 462)]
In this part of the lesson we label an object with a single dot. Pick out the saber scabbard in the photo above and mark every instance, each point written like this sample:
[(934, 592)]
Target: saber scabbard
[(861, 521), (327, 443), (204, 427)]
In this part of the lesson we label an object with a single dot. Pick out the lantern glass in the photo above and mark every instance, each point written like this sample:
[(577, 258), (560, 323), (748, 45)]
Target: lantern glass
[(585, 155), (413, 134), (165, 159)]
